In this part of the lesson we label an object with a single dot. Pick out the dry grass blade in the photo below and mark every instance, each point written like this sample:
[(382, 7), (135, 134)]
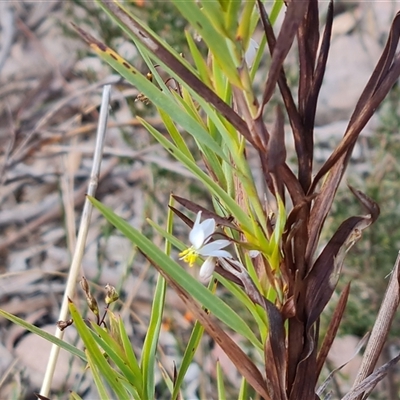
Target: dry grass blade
[(332, 329), (359, 347), (81, 240), (381, 327), (370, 382), (241, 361)]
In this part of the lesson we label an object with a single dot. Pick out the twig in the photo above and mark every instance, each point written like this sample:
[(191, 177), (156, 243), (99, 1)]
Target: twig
[(81, 240)]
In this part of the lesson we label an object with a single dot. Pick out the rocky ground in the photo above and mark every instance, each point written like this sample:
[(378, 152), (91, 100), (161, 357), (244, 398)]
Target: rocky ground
[(50, 91)]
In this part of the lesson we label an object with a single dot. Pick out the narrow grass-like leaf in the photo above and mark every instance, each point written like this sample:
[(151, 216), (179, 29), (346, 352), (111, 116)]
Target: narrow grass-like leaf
[(216, 306), (101, 388), (113, 379), (230, 203), (74, 396), (198, 59), (220, 383), (276, 9), (168, 236), (173, 64), (155, 95), (148, 359), (332, 329), (257, 313), (244, 29), (214, 39), (244, 390), (232, 17), (114, 352), (188, 356), (130, 355), (166, 378), (45, 335), (175, 134), (131, 390), (220, 81), (214, 12), (239, 358)]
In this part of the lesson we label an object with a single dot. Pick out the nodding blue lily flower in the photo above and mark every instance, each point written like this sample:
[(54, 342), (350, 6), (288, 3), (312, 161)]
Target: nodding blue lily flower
[(200, 237)]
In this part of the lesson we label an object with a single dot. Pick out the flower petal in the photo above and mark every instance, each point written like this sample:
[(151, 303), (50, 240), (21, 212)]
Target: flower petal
[(196, 235), (221, 253), (208, 227), (207, 269), (211, 248)]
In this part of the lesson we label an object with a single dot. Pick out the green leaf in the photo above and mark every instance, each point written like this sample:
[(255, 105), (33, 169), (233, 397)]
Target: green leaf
[(101, 389), (243, 219), (74, 396), (243, 393), (244, 29), (168, 236), (215, 39), (232, 16), (159, 98), (129, 353), (198, 59), (175, 134), (241, 296), (188, 356), (153, 333), (216, 306), (220, 383), (214, 12), (45, 335), (113, 379), (114, 352)]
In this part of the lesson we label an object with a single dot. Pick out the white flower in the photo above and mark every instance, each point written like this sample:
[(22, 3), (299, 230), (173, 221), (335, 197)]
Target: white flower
[(251, 52), (199, 237), (207, 269)]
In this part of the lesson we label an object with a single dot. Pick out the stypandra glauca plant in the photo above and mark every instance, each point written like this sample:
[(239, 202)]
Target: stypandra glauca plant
[(262, 246)]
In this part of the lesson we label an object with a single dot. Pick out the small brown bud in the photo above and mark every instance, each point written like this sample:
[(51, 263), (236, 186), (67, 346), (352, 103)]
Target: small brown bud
[(85, 285), (93, 305), (64, 324)]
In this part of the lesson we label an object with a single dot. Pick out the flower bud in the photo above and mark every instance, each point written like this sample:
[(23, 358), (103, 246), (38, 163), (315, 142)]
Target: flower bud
[(112, 294)]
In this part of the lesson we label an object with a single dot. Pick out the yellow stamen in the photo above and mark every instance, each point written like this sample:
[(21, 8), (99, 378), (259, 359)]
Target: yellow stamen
[(189, 256)]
